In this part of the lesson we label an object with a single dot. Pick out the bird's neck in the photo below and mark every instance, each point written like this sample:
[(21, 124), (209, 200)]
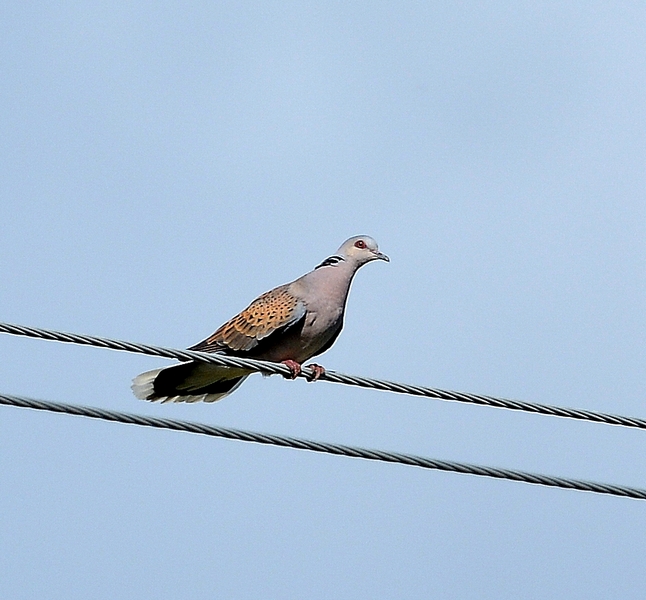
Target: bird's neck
[(333, 282)]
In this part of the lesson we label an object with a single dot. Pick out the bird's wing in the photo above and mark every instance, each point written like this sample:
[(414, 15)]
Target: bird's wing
[(272, 312)]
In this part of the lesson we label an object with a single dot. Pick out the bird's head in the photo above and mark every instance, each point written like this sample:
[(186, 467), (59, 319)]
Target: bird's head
[(361, 249)]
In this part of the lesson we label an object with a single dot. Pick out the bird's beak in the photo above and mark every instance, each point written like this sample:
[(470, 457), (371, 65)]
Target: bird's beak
[(381, 256)]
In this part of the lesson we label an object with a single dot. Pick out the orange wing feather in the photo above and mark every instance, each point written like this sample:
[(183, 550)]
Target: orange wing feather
[(267, 314)]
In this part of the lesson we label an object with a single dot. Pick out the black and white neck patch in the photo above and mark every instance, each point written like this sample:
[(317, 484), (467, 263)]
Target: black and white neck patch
[(331, 261)]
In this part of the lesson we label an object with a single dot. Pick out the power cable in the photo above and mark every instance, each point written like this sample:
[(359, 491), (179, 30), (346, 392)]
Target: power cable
[(324, 447), (271, 368)]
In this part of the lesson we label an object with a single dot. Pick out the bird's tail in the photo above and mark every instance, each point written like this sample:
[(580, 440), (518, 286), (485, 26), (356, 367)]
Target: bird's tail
[(188, 382)]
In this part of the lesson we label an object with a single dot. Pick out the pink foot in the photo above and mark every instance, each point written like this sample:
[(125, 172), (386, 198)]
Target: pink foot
[(294, 367), (317, 371)]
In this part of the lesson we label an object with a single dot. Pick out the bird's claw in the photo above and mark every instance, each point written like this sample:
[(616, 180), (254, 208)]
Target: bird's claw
[(294, 367), (317, 371)]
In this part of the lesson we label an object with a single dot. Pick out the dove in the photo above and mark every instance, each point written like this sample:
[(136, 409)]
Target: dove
[(289, 324)]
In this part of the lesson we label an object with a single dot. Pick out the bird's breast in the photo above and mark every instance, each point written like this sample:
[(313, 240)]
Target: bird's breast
[(324, 293)]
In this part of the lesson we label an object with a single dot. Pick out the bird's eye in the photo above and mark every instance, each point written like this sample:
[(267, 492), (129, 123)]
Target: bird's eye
[(360, 244)]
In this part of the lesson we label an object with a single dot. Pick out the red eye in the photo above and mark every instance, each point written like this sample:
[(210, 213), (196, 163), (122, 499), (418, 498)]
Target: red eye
[(360, 244)]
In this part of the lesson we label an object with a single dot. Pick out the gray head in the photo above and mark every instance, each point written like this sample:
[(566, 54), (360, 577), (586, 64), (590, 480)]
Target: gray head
[(361, 249), (356, 251)]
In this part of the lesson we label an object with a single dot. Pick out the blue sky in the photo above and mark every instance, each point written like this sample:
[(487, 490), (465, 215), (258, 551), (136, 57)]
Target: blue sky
[(162, 164)]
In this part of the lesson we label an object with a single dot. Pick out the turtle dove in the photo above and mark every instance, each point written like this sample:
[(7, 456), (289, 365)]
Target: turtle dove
[(289, 324)]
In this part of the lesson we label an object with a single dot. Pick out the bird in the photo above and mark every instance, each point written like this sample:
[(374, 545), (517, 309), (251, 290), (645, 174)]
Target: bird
[(289, 324)]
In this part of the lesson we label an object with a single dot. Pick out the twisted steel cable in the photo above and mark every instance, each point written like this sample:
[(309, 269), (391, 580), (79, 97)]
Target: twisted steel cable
[(271, 368), (325, 447)]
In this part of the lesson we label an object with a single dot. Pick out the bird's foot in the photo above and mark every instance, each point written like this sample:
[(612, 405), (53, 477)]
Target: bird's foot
[(317, 371), (294, 367)]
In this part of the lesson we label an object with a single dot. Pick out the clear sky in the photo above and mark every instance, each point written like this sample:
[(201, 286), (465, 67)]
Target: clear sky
[(163, 163)]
